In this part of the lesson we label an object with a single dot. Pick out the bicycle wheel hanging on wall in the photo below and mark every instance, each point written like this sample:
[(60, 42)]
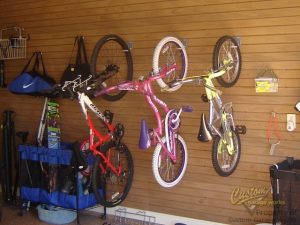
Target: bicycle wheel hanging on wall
[(224, 161), (111, 189), (227, 48), (111, 62), (168, 52)]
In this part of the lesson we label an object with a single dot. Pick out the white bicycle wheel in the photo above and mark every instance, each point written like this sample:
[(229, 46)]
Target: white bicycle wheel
[(168, 51), (166, 172)]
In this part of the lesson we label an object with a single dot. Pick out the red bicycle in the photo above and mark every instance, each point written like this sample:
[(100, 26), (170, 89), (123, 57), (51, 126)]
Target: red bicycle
[(112, 171)]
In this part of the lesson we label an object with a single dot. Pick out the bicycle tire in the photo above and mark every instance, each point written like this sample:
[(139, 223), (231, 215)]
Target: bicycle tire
[(160, 154), (230, 47), (111, 61), (170, 46), (223, 170), (109, 189)]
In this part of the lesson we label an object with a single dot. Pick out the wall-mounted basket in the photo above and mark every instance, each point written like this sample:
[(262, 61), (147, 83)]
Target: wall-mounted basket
[(266, 81), (12, 43)]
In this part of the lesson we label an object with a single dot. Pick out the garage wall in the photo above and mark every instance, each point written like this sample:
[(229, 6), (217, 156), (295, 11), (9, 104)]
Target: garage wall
[(269, 32)]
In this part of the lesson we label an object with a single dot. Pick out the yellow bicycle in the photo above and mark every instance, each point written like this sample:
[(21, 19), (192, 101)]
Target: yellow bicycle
[(220, 127)]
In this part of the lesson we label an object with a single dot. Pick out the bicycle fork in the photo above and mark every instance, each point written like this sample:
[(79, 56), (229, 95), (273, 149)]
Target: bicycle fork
[(227, 136)]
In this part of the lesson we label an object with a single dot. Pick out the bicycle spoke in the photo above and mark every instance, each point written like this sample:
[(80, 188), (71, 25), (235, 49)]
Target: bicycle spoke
[(225, 161), (167, 168), (227, 48), (116, 180), (112, 61), (170, 51)]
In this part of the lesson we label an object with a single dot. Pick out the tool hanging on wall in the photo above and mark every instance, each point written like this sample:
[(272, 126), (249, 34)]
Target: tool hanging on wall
[(273, 128)]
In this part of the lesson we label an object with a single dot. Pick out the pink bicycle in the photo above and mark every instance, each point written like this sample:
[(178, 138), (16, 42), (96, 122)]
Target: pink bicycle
[(170, 154)]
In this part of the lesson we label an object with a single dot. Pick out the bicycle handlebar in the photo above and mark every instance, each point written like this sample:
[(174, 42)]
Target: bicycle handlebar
[(227, 65), (90, 84)]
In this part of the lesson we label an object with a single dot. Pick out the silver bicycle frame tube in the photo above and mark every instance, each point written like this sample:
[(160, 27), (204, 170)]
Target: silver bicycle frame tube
[(215, 114), (84, 101)]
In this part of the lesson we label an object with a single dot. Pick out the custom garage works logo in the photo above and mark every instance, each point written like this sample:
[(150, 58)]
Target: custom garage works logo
[(258, 202), (251, 198)]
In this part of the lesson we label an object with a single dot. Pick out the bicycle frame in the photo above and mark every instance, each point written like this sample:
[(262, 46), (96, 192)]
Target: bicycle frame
[(145, 87), (86, 103), (216, 108)]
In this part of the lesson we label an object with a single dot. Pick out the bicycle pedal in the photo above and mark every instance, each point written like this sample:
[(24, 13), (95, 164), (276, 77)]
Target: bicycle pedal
[(241, 129), (204, 98), (187, 108)]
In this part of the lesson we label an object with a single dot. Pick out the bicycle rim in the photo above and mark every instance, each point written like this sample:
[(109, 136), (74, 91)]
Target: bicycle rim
[(227, 48), (170, 51), (166, 172), (109, 188), (223, 162), (112, 62)]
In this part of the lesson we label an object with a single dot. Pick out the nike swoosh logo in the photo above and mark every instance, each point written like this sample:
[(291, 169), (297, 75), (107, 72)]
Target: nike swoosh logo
[(27, 85)]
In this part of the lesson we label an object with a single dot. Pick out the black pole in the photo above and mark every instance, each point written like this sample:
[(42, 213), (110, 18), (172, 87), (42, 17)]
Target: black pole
[(2, 81), (17, 157), (7, 155)]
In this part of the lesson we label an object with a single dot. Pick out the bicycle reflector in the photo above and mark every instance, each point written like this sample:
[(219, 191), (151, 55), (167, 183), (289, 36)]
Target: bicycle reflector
[(297, 106)]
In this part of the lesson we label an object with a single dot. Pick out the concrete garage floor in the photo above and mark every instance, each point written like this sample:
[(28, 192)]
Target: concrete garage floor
[(11, 216)]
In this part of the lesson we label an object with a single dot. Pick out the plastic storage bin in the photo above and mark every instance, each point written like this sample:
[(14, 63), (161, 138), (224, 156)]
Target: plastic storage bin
[(285, 179), (43, 177)]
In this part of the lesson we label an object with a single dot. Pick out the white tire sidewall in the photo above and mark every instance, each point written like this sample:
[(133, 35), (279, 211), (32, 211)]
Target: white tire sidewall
[(155, 61), (157, 177)]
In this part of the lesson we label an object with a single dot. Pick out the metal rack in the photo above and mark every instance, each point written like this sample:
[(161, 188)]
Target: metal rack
[(12, 43), (122, 217)]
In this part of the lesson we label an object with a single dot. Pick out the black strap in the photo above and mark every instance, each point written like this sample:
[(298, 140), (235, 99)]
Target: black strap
[(75, 42), (39, 65), (81, 57), (33, 57)]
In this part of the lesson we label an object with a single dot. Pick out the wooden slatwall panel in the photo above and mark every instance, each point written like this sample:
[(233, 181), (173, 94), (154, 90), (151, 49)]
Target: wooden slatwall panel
[(269, 31)]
